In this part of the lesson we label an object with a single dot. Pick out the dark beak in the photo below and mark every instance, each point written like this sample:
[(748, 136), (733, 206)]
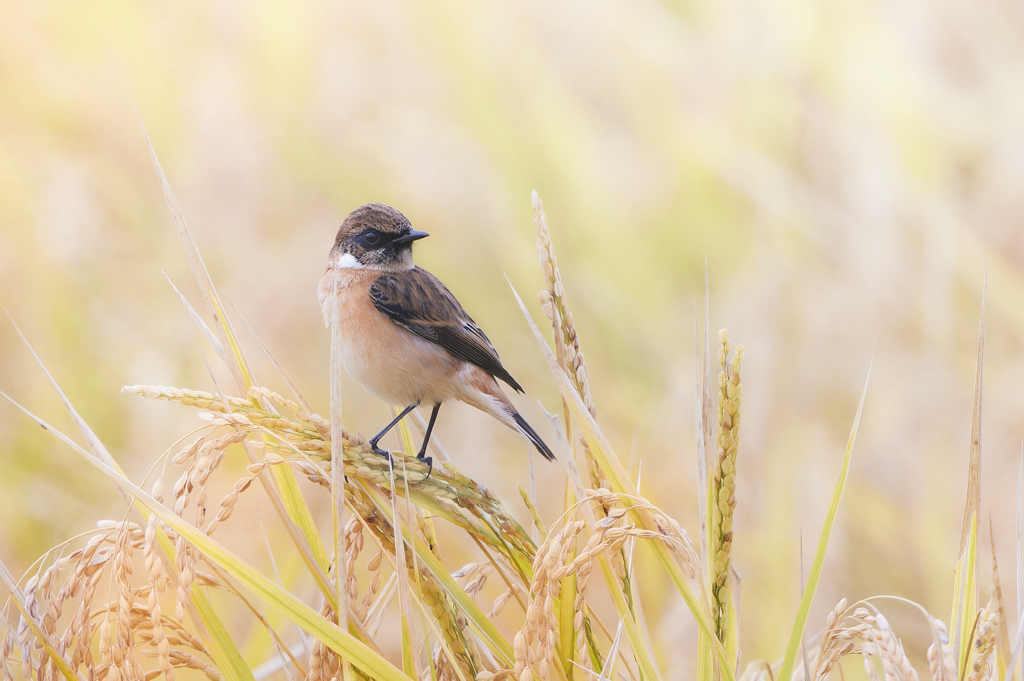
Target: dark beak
[(409, 238)]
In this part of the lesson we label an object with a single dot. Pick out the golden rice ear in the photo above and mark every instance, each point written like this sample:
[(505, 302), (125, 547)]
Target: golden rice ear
[(556, 307), (722, 495), (567, 347)]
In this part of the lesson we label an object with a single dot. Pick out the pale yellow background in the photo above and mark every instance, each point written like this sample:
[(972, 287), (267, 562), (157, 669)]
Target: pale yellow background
[(847, 168)]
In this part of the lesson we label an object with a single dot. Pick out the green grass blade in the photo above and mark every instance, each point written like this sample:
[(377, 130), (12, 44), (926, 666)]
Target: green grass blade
[(298, 511), (796, 636), (220, 643), (636, 638), (965, 598), (298, 612), (732, 630), (966, 594), (705, 658)]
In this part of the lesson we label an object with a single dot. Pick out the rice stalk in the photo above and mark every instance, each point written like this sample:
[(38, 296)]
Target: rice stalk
[(555, 306), (679, 574)]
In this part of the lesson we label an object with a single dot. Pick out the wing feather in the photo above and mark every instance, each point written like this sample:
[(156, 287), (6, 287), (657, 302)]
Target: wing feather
[(417, 300)]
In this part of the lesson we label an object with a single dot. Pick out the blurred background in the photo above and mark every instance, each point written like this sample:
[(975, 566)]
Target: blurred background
[(847, 171)]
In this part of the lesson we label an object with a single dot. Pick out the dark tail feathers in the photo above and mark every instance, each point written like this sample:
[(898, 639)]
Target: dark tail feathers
[(533, 437)]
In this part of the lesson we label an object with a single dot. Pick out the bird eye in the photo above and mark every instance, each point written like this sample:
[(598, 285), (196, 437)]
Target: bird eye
[(371, 238)]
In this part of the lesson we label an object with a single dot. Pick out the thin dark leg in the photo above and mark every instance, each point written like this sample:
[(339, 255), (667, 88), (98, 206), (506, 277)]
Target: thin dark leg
[(426, 438), (376, 438)]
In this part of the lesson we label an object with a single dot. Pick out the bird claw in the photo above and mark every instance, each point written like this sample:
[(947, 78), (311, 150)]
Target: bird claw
[(429, 460), (425, 459)]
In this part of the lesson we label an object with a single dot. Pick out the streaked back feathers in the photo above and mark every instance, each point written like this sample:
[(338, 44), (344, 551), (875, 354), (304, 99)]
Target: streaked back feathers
[(417, 300)]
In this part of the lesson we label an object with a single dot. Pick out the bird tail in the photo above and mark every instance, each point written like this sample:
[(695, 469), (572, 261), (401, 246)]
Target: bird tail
[(487, 396), (532, 436)]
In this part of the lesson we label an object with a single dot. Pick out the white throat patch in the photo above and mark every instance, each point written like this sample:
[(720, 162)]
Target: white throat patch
[(348, 262)]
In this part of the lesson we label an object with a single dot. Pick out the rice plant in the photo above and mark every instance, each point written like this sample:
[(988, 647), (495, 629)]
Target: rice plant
[(133, 599)]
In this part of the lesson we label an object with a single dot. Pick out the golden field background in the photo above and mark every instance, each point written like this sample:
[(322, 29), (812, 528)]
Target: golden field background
[(846, 168)]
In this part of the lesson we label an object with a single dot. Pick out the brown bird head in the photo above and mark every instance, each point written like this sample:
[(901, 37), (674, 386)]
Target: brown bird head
[(377, 237)]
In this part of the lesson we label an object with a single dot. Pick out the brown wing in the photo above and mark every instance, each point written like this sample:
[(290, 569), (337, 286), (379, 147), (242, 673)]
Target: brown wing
[(417, 300)]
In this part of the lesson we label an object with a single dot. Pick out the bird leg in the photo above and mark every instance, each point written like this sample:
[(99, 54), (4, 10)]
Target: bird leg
[(422, 456), (376, 438)]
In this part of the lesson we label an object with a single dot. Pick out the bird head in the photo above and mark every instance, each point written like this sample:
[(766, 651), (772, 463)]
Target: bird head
[(377, 237)]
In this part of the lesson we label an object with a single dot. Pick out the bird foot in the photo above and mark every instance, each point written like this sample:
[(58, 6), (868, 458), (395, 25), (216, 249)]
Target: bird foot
[(387, 456), (429, 460)]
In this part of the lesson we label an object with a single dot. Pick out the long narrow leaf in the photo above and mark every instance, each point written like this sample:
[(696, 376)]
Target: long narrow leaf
[(796, 635), (218, 639), (198, 321), (967, 592)]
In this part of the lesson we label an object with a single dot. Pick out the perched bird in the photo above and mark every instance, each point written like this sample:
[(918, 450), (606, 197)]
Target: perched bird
[(404, 336)]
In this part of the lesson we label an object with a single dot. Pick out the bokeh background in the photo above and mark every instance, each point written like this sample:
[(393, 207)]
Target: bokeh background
[(847, 170)]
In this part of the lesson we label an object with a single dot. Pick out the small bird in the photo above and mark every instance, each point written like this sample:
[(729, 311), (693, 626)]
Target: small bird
[(404, 336)]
